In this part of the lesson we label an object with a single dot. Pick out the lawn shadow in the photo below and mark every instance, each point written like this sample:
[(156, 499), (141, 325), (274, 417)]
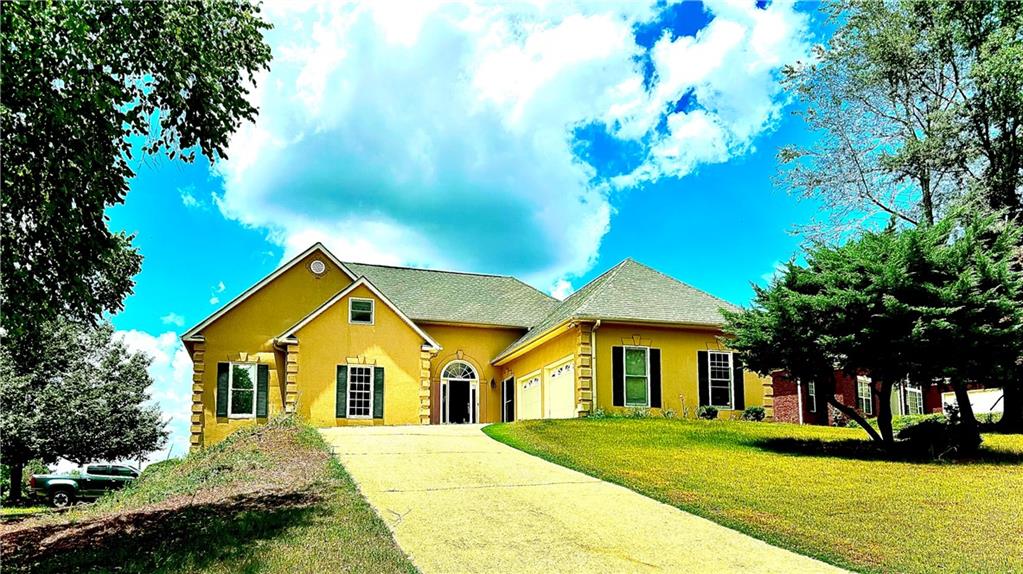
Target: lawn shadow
[(149, 540), (855, 449)]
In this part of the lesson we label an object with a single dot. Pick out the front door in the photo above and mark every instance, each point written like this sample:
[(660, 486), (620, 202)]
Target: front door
[(508, 394), (460, 401)]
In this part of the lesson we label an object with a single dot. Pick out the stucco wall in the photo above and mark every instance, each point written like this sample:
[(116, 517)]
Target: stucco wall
[(476, 346), (679, 370), (246, 334), (534, 362), (330, 340)]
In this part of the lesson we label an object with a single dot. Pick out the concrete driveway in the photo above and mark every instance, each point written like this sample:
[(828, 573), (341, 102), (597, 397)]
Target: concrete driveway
[(459, 501)]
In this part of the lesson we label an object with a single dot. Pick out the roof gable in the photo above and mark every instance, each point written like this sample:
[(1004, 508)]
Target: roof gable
[(193, 334), (454, 297), (631, 291), (361, 282)]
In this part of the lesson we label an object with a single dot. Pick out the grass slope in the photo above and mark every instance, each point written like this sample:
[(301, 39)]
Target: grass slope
[(268, 499), (809, 489)]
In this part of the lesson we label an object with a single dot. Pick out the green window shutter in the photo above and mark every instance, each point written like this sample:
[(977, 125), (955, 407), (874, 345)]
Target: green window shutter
[(342, 392), (655, 378), (262, 389), (618, 376), (378, 393), (739, 385), (222, 373), (703, 368)]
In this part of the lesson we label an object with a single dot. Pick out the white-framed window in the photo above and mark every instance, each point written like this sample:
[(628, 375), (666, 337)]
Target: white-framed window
[(811, 396), (360, 311), (637, 376), (864, 401), (241, 391), (720, 379), (914, 400), (360, 391)]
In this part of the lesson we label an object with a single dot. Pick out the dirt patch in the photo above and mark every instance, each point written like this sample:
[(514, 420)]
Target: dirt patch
[(263, 480)]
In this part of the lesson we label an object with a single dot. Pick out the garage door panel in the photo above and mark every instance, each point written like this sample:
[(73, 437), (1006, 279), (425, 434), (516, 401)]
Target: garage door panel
[(559, 391), (529, 399)]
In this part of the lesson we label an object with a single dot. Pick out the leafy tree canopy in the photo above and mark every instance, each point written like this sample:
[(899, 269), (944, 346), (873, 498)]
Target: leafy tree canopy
[(927, 304), (85, 400), (917, 103), (79, 78)]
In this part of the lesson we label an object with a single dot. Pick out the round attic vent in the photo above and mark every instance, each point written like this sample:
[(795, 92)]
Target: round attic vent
[(318, 267)]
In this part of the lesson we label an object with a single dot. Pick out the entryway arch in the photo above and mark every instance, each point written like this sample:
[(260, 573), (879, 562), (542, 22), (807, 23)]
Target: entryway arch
[(459, 393)]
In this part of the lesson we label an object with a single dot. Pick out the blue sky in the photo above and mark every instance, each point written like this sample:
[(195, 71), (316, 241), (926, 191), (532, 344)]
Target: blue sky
[(548, 143)]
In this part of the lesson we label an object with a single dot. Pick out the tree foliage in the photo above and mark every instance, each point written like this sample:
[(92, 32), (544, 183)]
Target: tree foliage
[(80, 81), (85, 400), (927, 304), (917, 103)]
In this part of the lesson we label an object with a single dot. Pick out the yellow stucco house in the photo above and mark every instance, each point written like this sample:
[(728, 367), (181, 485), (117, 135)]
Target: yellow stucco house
[(350, 343)]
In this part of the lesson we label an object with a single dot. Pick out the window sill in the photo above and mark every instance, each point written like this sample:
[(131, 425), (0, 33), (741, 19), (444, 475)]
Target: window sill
[(240, 417)]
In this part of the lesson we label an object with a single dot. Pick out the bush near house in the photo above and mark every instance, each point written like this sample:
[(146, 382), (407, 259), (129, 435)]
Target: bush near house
[(707, 412), (269, 499), (821, 491)]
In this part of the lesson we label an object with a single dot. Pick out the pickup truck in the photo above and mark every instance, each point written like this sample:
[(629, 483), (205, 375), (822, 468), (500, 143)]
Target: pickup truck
[(64, 489)]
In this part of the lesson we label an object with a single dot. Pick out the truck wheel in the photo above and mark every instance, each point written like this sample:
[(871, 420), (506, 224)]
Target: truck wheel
[(62, 498)]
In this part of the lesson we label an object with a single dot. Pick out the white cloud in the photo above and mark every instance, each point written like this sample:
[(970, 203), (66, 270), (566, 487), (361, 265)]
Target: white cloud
[(777, 270), (442, 134), (173, 318), (188, 196), (190, 200), (561, 289), (171, 370), (216, 290)]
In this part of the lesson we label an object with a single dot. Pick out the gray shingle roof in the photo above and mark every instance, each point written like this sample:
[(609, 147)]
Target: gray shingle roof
[(631, 291), (447, 296)]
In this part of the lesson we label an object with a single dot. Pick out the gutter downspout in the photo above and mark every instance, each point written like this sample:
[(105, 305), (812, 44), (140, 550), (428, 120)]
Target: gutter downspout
[(593, 365), (799, 399)]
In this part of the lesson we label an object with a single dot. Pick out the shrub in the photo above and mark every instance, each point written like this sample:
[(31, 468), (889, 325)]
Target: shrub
[(936, 435), (707, 412), (755, 414), (639, 413), (904, 421), (601, 413), (669, 413)]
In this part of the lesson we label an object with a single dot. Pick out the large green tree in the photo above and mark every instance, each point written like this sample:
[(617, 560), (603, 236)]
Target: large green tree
[(80, 81), (86, 399), (930, 304), (918, 105)]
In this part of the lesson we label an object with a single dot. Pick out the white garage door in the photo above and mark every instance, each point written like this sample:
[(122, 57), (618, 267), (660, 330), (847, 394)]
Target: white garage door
[(559, 392), (982, 400), (529, 399)]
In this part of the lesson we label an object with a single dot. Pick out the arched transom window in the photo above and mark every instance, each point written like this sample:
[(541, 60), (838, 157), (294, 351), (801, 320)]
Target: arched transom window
[(459, 371)]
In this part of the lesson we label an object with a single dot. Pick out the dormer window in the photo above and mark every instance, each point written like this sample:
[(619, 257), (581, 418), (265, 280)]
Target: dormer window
[(360, 311)]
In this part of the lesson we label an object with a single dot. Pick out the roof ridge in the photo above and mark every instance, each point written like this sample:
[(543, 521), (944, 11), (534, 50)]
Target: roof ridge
[(409, 268)]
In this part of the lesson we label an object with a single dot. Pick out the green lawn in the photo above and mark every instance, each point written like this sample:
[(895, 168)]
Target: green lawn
[(269, 499), (809, 489)]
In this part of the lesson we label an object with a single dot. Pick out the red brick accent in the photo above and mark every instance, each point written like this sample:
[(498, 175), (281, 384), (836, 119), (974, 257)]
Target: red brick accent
[(786, 402)]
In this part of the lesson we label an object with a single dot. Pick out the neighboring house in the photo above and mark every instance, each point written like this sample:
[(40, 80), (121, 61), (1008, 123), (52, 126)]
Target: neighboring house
[(798, 402), (351, 343)]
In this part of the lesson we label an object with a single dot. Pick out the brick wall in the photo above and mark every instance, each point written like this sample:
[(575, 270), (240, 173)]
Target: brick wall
[(787, 403)]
